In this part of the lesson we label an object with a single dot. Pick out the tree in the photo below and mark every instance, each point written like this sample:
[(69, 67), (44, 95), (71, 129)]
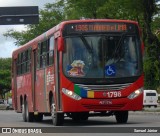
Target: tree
[(118, 9), (151, 64), (76, 9), (5, 75)]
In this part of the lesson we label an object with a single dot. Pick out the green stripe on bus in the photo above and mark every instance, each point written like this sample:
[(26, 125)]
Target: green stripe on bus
[(77, 90)]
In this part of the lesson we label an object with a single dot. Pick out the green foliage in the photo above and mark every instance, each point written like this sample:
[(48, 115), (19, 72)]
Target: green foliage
[(8, 95), (5, 63), (5, 74), (77, 9), (152, 66), (156, 26), (115, 9), (152, 73), (119, 9)]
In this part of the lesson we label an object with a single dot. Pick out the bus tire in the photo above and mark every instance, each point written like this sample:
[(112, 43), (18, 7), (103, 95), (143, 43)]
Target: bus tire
[(57, 118), (24, 112), (121, 116), (29, 115), (39, 117)]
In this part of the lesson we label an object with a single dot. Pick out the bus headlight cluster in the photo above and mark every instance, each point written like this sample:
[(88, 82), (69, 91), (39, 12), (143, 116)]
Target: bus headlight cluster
[(136, 93), (71, 94)]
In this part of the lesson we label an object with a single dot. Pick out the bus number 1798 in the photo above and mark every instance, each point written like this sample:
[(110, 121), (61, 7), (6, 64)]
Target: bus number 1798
[(114, 94)]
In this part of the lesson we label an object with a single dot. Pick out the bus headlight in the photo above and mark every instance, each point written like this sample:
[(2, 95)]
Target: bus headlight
[(136, 93), (71, 94)]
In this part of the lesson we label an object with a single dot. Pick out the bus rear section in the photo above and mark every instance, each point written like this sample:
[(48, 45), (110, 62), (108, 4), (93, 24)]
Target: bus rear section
[(150, 98)]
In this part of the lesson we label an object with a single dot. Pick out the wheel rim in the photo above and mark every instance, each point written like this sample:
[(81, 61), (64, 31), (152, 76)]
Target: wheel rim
[(53, 114), (23, 109), (23, 113), (27, 113)]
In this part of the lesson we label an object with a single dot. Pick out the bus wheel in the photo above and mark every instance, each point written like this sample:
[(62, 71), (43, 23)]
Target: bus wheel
[(57, 118), (39, 117), (24, 112), (29, 115), (121, 116)]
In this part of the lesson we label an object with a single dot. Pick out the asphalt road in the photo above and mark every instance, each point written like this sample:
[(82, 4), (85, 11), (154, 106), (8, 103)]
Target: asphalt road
[(137, 120)]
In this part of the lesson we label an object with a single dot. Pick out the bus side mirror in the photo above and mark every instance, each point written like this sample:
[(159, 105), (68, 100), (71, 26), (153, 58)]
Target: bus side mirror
[(60, 44)]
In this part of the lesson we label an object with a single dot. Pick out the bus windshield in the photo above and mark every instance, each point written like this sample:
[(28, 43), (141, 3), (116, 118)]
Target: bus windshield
[(102, 56)]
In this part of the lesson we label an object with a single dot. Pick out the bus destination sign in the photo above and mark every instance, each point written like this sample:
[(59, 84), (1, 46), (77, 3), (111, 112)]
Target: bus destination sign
[(99, 27)]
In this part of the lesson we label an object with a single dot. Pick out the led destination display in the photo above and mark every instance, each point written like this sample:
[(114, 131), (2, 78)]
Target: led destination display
[(98, 27)]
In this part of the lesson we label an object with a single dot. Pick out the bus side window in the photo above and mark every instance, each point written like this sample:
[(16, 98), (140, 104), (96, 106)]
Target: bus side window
[(19, 65), (28, 60), (50, 54), (45, 53), (42, 55), (24, 63), (38, 58)]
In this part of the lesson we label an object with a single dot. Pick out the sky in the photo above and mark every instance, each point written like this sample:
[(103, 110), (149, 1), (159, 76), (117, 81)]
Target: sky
[(7, 45)]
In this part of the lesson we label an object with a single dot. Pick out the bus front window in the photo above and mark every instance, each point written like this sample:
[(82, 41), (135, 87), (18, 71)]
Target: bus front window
[(101, 56)]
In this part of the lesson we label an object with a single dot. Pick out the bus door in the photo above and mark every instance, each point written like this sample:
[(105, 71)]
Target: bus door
[(57, 77), (40, 77)]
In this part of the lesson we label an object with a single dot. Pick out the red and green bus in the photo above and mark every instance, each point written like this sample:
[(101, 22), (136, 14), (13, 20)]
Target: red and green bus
[(78, 69)]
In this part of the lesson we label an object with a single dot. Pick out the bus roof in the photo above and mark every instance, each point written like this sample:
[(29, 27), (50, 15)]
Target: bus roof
[(33, 43)]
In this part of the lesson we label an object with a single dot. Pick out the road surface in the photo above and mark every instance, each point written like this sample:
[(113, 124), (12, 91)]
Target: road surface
[(136, 122)]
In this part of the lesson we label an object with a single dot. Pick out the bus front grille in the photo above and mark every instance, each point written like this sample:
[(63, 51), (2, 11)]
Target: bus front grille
[(104, 87)]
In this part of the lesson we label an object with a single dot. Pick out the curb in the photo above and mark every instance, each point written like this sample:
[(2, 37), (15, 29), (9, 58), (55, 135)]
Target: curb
[(143, 113)]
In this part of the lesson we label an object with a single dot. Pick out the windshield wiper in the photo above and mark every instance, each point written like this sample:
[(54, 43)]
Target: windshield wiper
[(90, 50), (117, 49)]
